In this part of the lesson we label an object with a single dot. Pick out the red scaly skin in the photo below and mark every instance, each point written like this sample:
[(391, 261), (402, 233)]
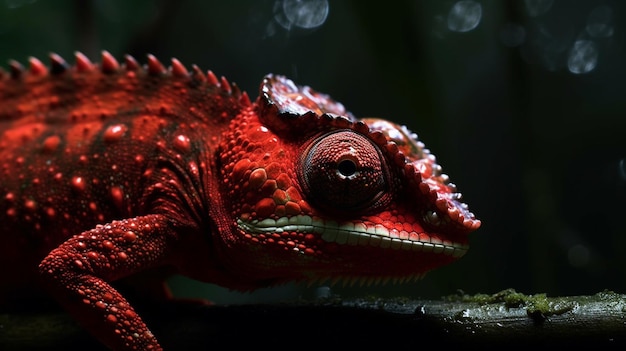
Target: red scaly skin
[(111, 170)]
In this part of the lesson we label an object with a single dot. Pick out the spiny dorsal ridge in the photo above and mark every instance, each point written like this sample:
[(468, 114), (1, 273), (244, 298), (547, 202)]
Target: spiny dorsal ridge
[(197, 74), (16, 69), (225, 85), (245, 99), (155, 67), (178, 69), (131, 64), (83, 64), (109, 64), (36, 67), (57, 64), (212, 78)]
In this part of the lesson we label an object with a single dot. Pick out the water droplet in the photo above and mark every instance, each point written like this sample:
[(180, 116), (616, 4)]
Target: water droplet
[(599, 22), (538, 7), (307, 14), (622, 169), (323, 292), (512, 35), (464, 16), (13, 4), (583, 57)]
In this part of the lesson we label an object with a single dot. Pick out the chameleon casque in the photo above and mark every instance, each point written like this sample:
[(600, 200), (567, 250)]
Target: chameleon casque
[(113, 169)]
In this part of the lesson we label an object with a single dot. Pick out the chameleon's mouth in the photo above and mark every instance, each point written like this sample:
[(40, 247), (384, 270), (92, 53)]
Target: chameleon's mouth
[(354, 234)]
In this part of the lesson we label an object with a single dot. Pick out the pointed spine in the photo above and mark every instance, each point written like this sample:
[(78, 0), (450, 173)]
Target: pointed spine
[(36, 67), (235, 90), (245, 99), (16, 69), (197, 74), (57, 64), (225, 85), (178, 69), (212, 79), (83, 64), (155, 67), (131, 64), (109, 63)]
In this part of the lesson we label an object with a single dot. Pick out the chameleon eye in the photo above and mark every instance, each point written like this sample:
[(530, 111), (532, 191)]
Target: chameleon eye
[(344, 171)]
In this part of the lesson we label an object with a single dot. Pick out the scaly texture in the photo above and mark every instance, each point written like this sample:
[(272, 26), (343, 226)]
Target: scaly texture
[(110, 170)]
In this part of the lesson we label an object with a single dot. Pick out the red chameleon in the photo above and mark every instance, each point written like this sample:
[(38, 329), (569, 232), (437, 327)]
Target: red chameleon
[(110, 170)]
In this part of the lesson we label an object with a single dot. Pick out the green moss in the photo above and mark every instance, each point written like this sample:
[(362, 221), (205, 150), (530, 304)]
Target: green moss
[(538, 306)]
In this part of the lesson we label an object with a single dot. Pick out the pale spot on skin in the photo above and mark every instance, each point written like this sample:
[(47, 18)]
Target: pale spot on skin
[(182, 143), (114, 132), (78, 183), (51, 143), (117, 195), (30, 205)]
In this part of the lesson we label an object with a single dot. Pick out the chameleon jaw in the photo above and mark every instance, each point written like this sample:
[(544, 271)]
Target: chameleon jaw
[(351, 233)]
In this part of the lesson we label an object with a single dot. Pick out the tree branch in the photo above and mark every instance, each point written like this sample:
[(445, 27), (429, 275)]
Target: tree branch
[(506, 319)]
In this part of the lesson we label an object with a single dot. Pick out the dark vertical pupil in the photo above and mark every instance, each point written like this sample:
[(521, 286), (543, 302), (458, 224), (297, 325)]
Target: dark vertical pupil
[(346, 168)]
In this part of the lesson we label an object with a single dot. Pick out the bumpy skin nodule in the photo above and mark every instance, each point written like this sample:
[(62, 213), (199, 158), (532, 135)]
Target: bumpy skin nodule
[(110, 170)]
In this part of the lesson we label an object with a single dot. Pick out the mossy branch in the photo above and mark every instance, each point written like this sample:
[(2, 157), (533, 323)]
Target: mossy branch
[(506, 319)]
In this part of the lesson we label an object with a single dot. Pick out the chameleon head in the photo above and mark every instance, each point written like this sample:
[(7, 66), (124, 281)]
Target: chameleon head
[(314, 192)]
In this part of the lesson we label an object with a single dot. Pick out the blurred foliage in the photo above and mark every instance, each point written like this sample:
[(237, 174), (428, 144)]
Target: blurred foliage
[(538, 151)]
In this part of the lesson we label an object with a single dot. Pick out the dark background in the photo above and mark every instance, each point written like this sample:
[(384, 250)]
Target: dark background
[(522, 102)]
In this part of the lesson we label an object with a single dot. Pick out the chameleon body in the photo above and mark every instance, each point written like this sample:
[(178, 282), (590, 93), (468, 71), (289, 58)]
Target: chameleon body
[(112, 169)]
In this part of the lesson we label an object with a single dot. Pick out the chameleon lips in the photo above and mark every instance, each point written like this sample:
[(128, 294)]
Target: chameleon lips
[(355, 234)]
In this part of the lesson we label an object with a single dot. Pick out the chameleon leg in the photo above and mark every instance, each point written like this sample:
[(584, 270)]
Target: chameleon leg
[(77, 272)]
